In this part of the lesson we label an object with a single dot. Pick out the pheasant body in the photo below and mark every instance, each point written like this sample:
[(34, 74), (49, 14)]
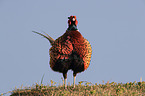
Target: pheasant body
[(69, 51)]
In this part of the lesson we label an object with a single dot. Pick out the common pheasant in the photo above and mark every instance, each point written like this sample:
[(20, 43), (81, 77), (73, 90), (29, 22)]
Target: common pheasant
[(69, 51)]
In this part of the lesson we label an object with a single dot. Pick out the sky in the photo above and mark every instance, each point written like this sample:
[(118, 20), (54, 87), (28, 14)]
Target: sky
[(114, 28)]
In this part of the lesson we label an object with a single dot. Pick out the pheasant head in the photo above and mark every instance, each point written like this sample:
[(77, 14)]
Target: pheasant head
[(72, 23)]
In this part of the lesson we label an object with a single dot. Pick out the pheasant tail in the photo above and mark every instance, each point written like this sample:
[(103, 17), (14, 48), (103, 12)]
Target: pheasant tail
[(51, 40)]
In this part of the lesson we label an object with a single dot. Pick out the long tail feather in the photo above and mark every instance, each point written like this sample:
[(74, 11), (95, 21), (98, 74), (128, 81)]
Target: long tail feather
[(51, 40)]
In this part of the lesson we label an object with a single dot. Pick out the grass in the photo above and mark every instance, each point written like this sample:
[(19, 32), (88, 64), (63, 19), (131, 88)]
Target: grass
[(83, 89)]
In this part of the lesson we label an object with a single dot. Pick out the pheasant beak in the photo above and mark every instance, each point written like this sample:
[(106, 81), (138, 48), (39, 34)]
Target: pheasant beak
[(73, 19)]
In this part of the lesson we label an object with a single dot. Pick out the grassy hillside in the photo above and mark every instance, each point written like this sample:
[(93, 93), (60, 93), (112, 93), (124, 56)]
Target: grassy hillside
[(83, 89)]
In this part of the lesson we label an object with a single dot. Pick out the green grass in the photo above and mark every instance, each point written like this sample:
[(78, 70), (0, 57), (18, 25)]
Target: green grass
[(83, 89)]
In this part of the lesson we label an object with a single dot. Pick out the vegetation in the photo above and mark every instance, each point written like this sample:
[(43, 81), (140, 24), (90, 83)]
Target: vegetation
[(83, 89)]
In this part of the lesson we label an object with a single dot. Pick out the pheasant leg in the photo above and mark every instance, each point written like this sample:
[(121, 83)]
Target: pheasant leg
[(74, 75)]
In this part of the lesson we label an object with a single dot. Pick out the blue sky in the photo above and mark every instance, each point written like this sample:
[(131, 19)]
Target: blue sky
[(115, 29)]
